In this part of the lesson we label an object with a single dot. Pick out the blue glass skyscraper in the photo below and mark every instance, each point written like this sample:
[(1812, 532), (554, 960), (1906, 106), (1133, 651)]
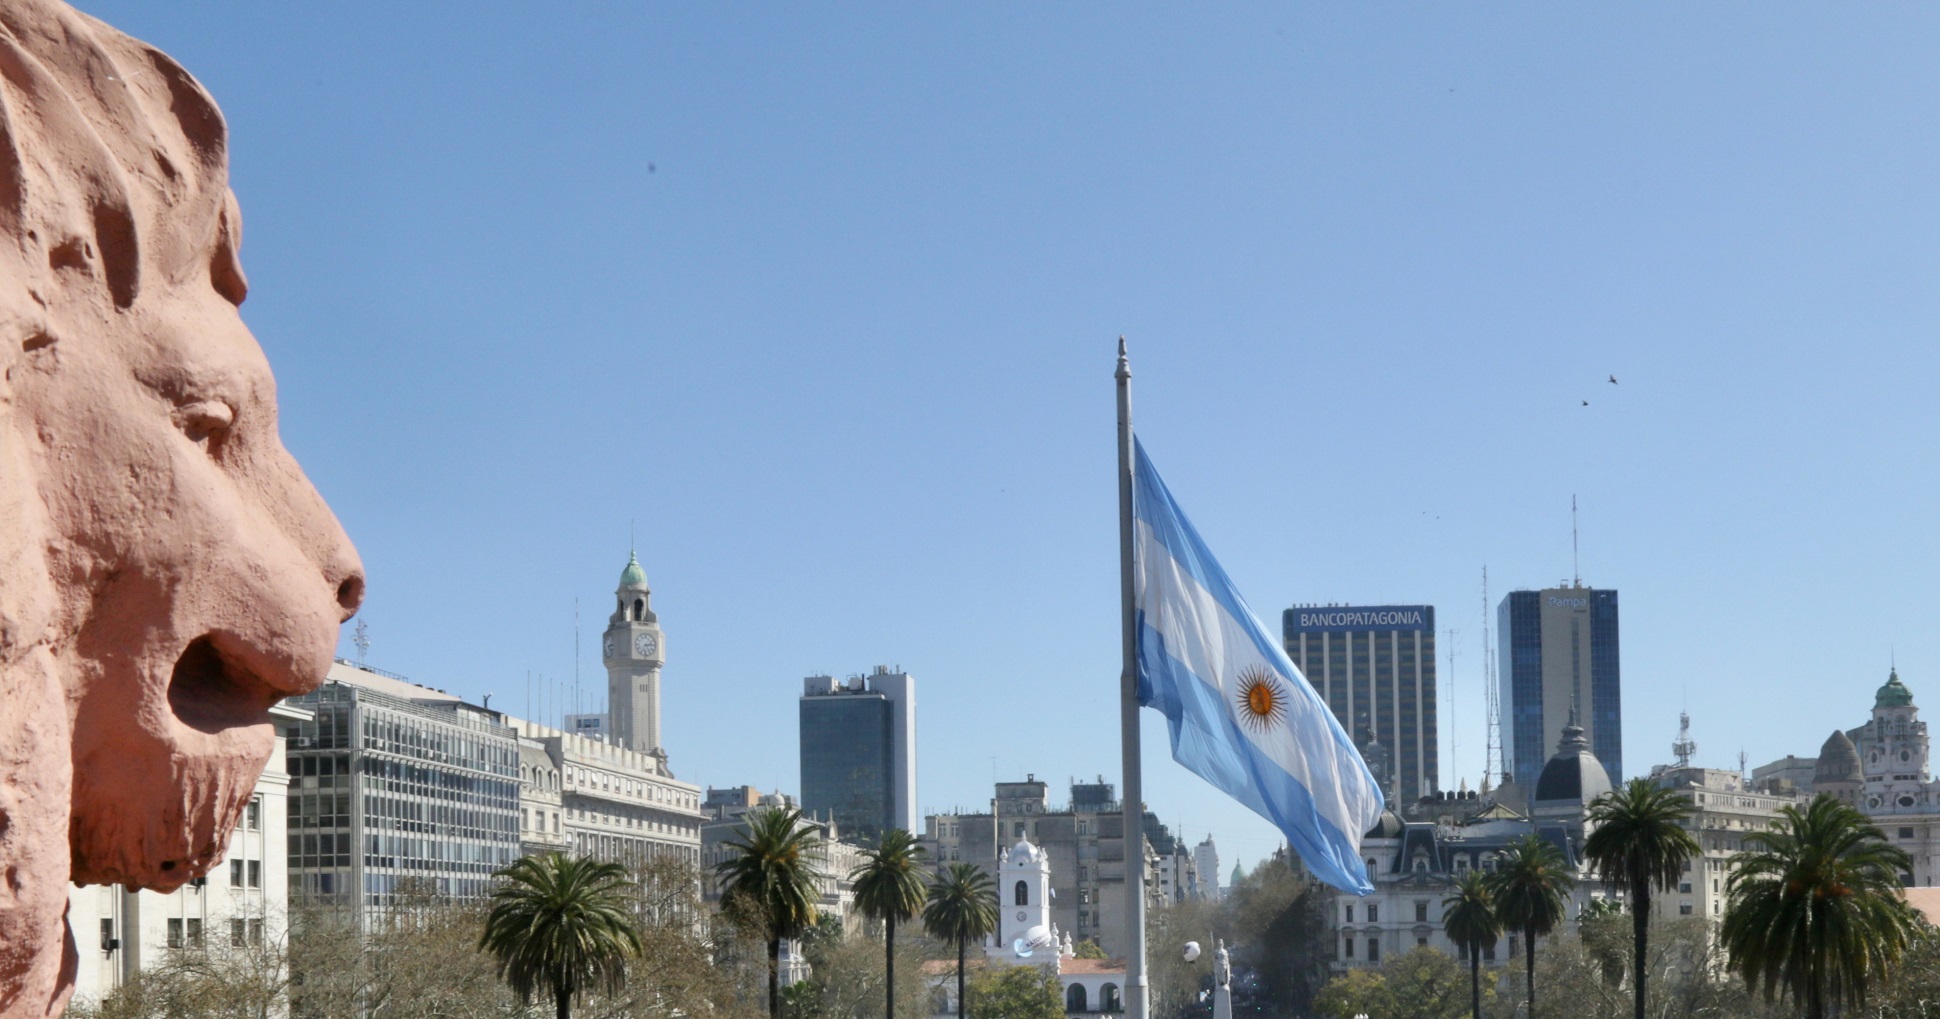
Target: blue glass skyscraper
[(1558, 656)]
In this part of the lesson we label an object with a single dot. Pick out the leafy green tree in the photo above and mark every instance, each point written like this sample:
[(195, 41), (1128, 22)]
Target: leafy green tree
[(1279, 922), (1606, 936), (1638, 843), (1814, 908), (1354, 993), (1173, 985), (889, 887), (561, 925), (1468, 915), (771, 873), (1530, 887), (1016, 992), (1425, 983), (1088, 949), (962, 908)]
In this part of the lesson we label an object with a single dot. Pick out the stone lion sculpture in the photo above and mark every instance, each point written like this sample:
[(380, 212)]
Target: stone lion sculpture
[(166, 571)]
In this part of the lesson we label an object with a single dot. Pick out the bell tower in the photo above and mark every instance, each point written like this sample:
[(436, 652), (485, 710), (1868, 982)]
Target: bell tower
[(633, 650)]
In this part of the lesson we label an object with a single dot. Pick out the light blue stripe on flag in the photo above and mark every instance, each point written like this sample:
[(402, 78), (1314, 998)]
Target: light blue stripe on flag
[(1242, 716)]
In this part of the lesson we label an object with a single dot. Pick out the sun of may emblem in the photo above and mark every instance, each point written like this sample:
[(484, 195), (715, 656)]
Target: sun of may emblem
[(1262, 701)]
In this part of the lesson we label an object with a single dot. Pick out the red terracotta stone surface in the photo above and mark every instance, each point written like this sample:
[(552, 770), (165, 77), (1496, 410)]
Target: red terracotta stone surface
[(166, 571)]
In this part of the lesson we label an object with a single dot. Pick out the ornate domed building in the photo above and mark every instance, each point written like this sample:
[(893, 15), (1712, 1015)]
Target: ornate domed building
[(1838, 772)]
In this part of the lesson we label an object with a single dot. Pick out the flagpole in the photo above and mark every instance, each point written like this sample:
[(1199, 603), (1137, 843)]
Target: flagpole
[(1134, 793)]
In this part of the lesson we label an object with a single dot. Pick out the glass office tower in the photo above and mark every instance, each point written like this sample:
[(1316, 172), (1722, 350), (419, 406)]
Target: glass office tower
[(858, 751), (1557, 656)]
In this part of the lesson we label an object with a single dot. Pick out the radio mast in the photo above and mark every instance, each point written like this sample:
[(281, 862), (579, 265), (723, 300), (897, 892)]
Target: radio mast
[(1492, 763)]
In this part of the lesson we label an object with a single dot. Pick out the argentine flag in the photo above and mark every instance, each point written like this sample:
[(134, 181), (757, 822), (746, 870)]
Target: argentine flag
[(1242, 716)]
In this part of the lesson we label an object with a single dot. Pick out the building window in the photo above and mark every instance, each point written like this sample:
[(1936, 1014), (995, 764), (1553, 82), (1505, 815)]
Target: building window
[(235, 874), (1350, 913), (1347, 948), (1684, 887), (108, 942), (253, 814), (1108, 999), (195, 932), (255, 873), (1421, 942), (1488, 952), (236, 929), (174, 932), (1074, 998), (1421, 913), (1373, 913), (1684, 909), (1373, 950), (1022, 894), (1906, 833)]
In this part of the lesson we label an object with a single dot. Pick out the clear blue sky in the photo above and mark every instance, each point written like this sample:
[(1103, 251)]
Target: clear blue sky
[(824, 298)]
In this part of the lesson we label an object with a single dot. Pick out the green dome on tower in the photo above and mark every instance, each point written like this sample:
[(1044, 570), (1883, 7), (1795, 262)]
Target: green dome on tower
[(1894, 694), (633, 575)]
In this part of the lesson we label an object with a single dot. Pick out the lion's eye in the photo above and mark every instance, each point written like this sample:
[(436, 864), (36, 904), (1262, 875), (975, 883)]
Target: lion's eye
[(206, 422)]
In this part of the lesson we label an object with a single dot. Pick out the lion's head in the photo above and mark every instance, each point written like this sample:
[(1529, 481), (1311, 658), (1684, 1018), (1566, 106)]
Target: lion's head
[(166, 571)]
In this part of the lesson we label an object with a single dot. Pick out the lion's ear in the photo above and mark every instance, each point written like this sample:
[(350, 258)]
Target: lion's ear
[(225, 263)]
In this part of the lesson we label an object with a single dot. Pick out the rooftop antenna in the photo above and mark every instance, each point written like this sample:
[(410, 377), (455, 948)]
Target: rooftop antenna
[(361, 638), (1685, 746), (1576, 574), (575, 654), (1454, 740), (1493, 765), (1742, 759)]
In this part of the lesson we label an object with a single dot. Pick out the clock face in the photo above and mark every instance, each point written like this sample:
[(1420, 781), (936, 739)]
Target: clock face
[(1020, 915), (644, 644), (609, 647)]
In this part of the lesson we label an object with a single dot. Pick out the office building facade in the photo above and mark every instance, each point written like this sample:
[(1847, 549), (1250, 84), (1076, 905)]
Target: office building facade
[(397, 790), (1084, 846), (1557, 659), (1374, 665), (613, 803), (858, 751)]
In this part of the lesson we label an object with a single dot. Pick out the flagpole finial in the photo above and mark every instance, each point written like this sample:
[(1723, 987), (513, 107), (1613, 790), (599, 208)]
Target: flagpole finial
[(1124, 363)]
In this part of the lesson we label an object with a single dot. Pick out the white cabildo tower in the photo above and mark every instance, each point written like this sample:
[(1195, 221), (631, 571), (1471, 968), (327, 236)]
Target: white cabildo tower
[(633, 650), (1024, 891)]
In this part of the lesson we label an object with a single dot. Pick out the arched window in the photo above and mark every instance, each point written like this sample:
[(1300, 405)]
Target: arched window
[(1074, 998), (639, 609), (1108, 999), (1023, 895)]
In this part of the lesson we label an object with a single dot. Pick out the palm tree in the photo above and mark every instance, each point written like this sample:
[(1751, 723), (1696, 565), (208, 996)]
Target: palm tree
[(770, 872), (1469, 918), (1814, 906), (889, 887), (963, 908), (1530, 887), (1639, 843), (561, 925)]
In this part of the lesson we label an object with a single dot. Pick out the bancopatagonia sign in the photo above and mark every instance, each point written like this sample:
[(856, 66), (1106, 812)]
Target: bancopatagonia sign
[(1336, 618)]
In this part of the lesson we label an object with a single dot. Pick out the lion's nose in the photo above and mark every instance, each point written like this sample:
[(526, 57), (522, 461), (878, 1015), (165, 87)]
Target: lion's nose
[(350, 593)]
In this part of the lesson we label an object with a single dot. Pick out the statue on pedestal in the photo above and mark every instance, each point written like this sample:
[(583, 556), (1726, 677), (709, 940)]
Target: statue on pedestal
[(1222, 982), (167, 573)]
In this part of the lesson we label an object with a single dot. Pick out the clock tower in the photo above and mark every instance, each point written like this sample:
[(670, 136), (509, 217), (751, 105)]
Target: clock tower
[(633, 650)]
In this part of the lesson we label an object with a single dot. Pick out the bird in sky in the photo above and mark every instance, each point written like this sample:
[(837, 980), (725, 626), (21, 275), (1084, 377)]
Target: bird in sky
[(1613, 380), (1586, 403)]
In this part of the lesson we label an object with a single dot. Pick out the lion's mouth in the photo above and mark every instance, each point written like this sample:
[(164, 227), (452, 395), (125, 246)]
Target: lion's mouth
[(211, 691)]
